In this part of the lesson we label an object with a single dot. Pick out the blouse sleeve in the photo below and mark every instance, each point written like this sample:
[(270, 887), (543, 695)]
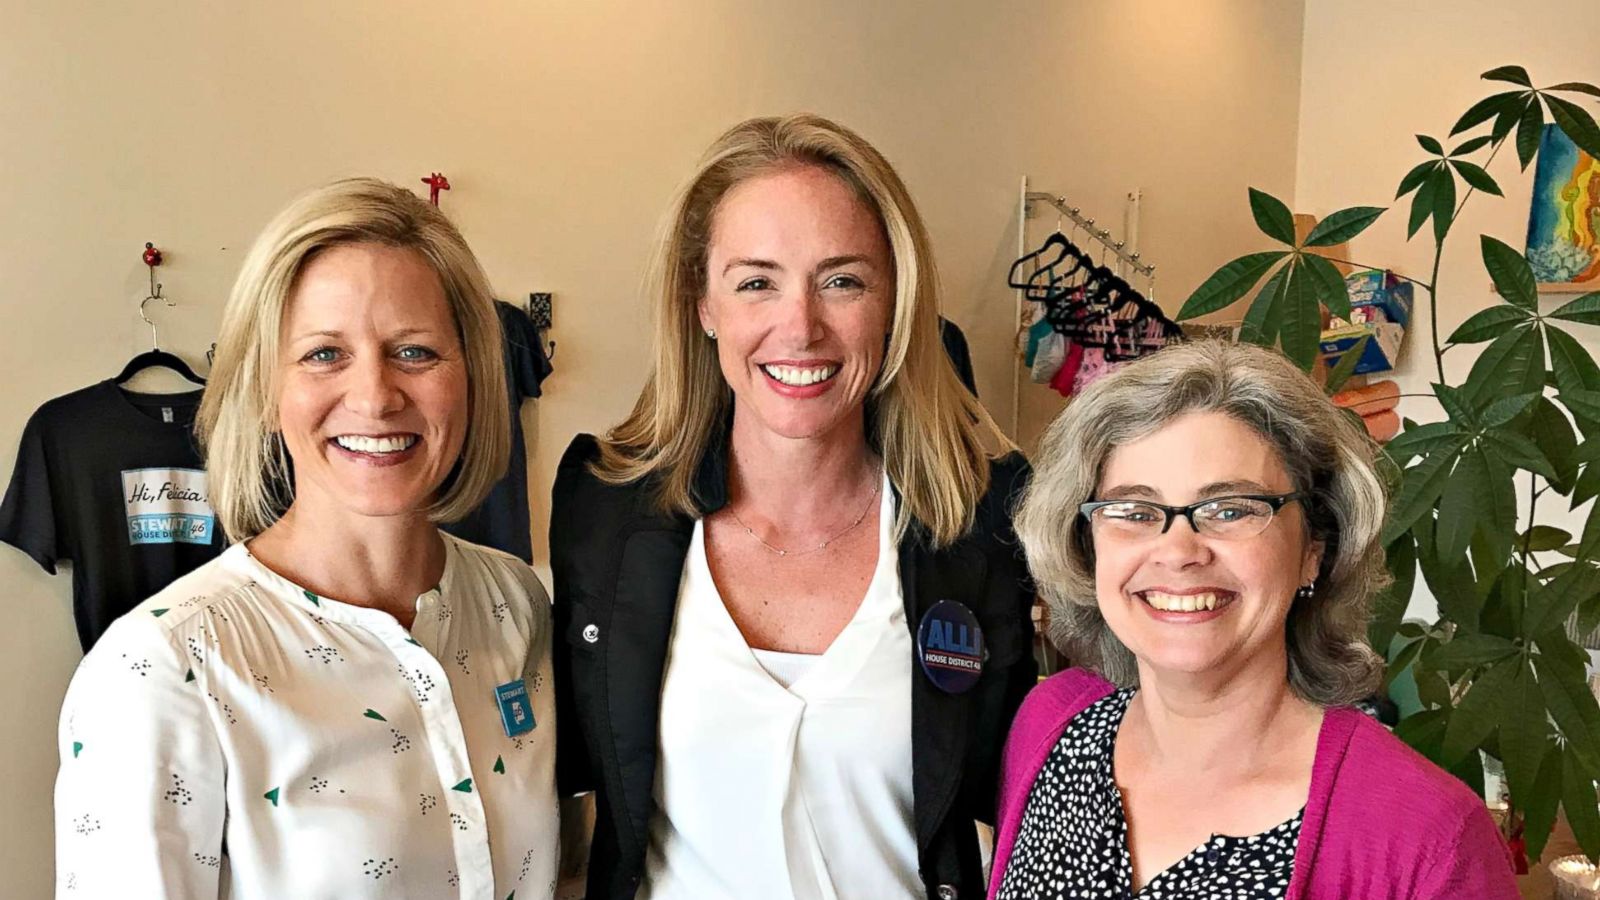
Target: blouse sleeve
[(140, 802)]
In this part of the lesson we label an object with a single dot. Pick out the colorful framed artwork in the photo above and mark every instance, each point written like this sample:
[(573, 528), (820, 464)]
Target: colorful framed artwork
[(1564, 218)]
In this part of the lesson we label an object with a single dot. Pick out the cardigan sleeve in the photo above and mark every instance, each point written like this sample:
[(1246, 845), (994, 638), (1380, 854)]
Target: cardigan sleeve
[(1476, 864)]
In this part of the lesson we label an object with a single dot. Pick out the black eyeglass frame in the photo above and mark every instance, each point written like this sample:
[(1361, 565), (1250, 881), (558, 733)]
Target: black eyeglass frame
[(1276, 501)]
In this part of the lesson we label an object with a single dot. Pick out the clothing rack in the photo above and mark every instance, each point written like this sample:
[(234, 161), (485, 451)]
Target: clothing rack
[(1103, 235), (1124, 249)]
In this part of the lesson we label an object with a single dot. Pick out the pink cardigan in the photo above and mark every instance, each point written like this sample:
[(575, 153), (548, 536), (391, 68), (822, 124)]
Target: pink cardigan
[(1382, 822)]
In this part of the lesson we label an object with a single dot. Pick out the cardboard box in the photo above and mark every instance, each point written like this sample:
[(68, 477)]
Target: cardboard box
[(1383, 350), (1383, 291)]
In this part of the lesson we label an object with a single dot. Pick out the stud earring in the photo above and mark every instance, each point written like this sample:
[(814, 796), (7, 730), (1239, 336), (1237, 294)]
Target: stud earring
[(711, 333), (1306, 591)]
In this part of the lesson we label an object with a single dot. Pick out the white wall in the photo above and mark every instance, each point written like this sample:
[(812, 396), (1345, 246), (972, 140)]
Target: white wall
[(1376, 73), (564, 128)]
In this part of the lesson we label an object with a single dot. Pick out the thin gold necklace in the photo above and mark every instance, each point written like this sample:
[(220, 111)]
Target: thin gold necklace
[(877, 487)]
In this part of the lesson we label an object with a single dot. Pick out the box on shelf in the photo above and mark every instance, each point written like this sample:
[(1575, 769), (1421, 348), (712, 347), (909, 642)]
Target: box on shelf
[(1377, 294), (1382, 350)]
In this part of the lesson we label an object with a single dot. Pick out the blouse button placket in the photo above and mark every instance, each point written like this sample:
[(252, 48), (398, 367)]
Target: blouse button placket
[(447, 741)]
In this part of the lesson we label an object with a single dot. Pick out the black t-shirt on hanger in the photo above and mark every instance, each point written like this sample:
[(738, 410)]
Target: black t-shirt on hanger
[(501, 521), (112, 481)]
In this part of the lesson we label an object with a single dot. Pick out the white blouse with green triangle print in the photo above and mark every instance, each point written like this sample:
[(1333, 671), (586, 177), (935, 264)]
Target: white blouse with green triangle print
[(238, 736)]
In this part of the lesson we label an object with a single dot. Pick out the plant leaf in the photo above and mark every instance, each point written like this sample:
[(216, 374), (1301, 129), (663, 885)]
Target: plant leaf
[(1585, 309), (1488, 324), (1507, 408), (1577, 123), (1507, 119), (1475, 175), (1502, 611), (1573, 369), (1343, 225), (1229, 283), (1502, 508), (1272, 216), (1577, 87), (1346, 366), (1574, 710), (1544, 537), (1551, 430), (1415, 178), (1539, 805), (1524, 733), (1479, 711), (1513, 74), (1389, 606), (1430, 144), (1422, 202), (1587, 487), (1513, 364), (1513, 277), (1402, 660), (1457, 405), (1466, 651), (1327, 285), (1519, 451), (1529, 129), (1589, 616), (1421, 487), (1419, 440), (1484, 110), (1577, 798), (1472, 146), (1423, 731), (1460, 508), (1301, 328), (1444, 203), (1265, 315), (1584, 404), (1559, 598)]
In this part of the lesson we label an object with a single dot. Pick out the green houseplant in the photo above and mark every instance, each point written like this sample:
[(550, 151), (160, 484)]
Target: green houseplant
[(1497, 671)]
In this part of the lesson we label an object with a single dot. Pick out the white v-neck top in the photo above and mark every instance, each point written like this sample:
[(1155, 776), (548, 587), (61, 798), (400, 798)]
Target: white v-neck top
[(797, 793), (237, 735)]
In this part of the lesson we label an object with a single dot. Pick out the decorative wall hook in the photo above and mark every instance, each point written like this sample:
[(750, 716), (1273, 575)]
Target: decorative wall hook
[(436, 182)]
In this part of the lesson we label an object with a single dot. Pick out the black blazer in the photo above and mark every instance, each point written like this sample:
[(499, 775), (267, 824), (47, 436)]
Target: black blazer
[(617, 560)]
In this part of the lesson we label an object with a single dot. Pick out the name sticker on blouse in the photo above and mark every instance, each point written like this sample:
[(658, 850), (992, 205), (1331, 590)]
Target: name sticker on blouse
[(516, 713), (950, 647)]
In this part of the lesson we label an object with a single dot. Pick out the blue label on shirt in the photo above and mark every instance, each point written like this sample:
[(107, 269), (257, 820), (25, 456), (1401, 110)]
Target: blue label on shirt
[(950, 647), (516, 712)]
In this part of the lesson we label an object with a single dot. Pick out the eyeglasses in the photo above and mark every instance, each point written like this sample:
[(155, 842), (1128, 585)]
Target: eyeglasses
[(1231, 518)]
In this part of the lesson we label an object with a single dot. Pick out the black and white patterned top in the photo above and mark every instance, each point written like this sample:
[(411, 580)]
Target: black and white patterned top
[(1073, 840)]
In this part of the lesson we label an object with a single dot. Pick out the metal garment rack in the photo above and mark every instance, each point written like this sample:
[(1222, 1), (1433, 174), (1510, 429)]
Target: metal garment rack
[(1125, 250)]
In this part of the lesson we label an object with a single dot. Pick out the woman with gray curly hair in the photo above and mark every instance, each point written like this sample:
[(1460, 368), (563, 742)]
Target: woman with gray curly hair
[(1204, 526)]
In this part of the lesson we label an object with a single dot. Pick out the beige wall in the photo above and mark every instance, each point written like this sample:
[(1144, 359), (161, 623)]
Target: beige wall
[(1377, 73), (563, 128)]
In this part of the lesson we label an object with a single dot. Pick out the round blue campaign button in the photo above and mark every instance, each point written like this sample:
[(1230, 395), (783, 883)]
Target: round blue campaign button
[(950, 647)]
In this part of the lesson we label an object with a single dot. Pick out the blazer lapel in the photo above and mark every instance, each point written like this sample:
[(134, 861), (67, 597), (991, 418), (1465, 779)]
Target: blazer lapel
[(938, 720), (645, 599)]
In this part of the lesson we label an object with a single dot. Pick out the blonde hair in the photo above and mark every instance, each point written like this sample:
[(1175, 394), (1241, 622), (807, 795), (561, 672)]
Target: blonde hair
[(1330, 461), (934, 436), (247, 466)]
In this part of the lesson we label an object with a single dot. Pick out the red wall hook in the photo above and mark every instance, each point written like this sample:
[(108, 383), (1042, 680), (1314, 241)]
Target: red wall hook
[(436, 183)]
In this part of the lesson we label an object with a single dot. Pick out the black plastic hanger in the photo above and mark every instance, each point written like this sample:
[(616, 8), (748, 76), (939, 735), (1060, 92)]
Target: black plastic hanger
[(156, 357), (153, 359), (1036, 288)]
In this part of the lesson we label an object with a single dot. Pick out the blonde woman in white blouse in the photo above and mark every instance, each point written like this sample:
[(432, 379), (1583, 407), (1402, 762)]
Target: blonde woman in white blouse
[(347, 702)]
